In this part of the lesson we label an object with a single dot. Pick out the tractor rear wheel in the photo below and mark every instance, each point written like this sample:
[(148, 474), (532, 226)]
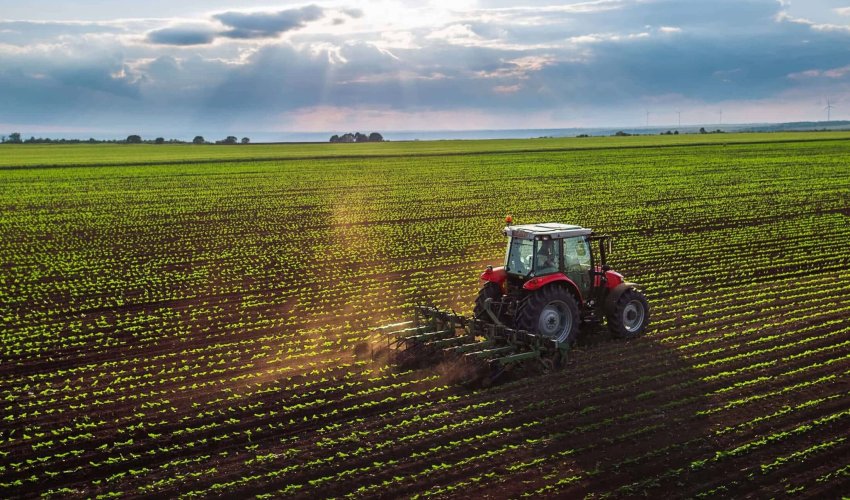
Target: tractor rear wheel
[(551, 312), (629, 315), (490, 290)]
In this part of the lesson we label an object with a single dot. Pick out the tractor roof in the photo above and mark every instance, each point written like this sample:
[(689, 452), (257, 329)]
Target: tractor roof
[(547, 230)]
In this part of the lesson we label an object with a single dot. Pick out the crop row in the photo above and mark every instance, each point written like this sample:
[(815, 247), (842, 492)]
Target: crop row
[(209, 328)]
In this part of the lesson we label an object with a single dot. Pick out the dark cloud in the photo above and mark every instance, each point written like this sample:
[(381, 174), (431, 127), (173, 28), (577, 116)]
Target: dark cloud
[(267, 24), (239, 25), (39, 89), (182, 35), (277, 78), (355, 13)]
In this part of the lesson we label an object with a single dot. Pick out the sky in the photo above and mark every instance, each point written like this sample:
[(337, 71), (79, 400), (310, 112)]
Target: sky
[(109, 68)]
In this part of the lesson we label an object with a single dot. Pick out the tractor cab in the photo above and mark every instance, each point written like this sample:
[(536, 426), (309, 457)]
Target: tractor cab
[(555, 277), (536, 250)]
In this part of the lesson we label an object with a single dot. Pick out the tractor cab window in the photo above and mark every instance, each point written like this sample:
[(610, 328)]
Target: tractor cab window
[(576, 254), (577, 261), (519, 257), (583, 254), (547, 257)]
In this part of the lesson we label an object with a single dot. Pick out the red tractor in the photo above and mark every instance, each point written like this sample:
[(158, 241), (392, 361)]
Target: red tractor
[(530, 309), (552, 281)]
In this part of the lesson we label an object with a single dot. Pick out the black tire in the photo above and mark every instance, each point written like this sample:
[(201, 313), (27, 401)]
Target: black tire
[(551, 312), (490, 290), (629, 316)]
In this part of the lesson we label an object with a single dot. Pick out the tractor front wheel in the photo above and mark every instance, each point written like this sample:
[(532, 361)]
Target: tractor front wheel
[(629, 315), (552, 312)]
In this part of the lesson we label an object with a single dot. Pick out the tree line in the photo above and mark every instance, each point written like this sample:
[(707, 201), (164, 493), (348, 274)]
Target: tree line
[(357, 137), (15, 138)]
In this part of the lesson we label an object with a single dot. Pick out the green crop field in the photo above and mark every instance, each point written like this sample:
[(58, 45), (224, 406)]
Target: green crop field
[(190, 321)]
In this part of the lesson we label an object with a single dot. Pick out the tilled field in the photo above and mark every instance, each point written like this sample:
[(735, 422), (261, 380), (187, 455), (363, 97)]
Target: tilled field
[(209, 328)]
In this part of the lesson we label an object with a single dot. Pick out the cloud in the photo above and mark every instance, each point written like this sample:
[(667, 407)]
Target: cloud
[(518, 68), (607, 37), (28, 32), (183, 35), (353, 13), (670, 29), (457, 34), (833, 73), (544, 6), (507, 89), (589, 60), (238, 26), (267, 24), (55, 87)]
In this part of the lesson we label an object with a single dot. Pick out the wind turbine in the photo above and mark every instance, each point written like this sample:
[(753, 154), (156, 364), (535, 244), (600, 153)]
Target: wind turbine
[(647, 118), (680, 118), (720, 112), (828, 109)]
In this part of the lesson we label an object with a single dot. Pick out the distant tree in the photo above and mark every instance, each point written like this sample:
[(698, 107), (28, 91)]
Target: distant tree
[(702, 130), (375, 137), (159, 140), (228, 140), (2, 138), (334, 138), (199, 139), (358, 137), (347, 138), (676, 133), (246, 140), (622, 134), (134, 139), (15, 137)]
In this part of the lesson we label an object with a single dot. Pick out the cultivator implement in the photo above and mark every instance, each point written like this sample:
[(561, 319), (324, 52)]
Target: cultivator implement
[(435, 335)]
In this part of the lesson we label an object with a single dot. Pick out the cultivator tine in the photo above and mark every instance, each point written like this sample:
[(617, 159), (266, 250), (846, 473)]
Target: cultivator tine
[(437, 317), (484, 371), (429, 331), (465, 348), (516, 358), (489, 354), (397, 339), (449, 342)]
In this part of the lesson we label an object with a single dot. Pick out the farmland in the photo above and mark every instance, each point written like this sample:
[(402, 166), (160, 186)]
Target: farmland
[(201, 321)]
